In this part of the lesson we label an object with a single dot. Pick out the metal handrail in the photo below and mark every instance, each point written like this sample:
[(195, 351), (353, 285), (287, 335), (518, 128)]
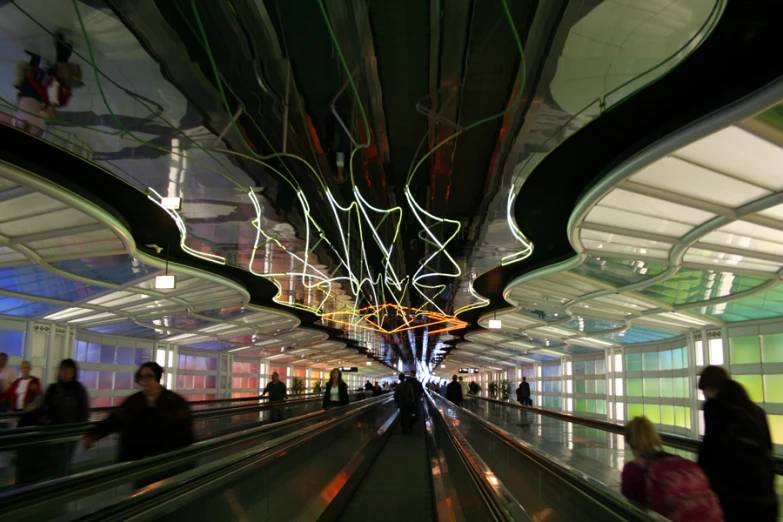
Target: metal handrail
[(19, 437), (58, 490), (187, 484), (498, 499), (10, 417), (669, 439), (571, 477)]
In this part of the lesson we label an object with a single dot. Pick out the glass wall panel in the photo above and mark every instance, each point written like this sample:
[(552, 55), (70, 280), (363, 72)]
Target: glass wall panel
[(635, 410), (650, 361), (745, 350), (633, 362), (753, 385), (635, 387), (772, 348), (773, 388)]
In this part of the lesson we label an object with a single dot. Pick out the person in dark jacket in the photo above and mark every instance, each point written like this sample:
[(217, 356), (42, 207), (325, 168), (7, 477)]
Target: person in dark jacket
[(65, 402), (523, 393), (150, 422), (737, 453), (454, 391), (336, 391)]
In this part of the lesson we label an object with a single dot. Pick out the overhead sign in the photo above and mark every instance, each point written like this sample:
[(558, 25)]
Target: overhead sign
[(468, 370), (352, 369)]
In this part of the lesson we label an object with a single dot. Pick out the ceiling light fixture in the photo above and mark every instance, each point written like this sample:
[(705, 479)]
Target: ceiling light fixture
[(166, 281), (171, 203)]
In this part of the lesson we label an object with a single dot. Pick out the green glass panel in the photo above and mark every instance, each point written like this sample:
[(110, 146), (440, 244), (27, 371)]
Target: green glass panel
[(753, 385), (600, 387), (600, 367), (651, 388), (635, 410), (760, 306), (581, 405), (678, 387), (600, 406), (665, 360), (590, 367), (677, 363), (745, 350), (773, 348), (590, 386), (691, 285), (650, 361), (633, 362), (667, 415), (634, 387), (667, 387), (679, 416), (580, 386), (773, 386), (590, 405), (688, 418), (684, 357), (653, 412)]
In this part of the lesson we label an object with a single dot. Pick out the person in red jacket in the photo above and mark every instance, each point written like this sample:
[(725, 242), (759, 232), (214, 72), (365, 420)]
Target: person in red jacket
[(23, 391), (42, 91)]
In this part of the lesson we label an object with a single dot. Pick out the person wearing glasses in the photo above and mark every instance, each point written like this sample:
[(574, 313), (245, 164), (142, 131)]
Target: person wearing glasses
[(150, 422)]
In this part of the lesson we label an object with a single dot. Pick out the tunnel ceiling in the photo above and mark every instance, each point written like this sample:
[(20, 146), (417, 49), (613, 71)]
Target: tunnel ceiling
[(382, 170)]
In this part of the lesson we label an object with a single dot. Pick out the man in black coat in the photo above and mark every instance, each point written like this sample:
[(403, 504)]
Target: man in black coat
[(523, 393), (150, 422), (454, 392)]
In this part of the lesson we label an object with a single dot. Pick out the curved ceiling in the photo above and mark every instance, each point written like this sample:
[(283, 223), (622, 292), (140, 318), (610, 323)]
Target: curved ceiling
[(361, 164)]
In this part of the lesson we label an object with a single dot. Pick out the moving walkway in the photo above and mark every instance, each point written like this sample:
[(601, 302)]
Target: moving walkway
[(343, 464), (209, 421)]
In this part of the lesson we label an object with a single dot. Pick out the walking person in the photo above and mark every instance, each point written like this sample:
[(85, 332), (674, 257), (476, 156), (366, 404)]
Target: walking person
[(65, 402), (667, 484), (336, 393), (21, 394), (150, 422), (523, 393), (737, 452), (277, 393), (454, 391), (405, 397), (7, 377)]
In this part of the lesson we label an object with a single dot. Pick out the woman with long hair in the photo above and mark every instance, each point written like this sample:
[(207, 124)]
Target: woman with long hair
[(666, 484), (336, 391)]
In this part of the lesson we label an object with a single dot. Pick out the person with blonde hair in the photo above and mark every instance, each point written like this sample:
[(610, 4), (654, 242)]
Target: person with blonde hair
[(666, 484)]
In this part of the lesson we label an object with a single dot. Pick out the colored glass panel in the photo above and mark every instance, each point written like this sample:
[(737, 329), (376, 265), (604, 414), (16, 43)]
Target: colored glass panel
[(745, 350), (772, 348), (635, 410), (651, 387), (693, 285), (753, 385), (635, 387), (653, 412), (650, 361), (773, 388), (667, 414), (633, 362)]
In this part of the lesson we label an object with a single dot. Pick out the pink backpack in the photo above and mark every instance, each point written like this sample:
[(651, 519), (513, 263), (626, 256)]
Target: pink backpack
[(679, 490)]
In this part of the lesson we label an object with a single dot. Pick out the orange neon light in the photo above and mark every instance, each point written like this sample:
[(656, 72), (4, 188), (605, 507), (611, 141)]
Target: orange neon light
[(369, 318)]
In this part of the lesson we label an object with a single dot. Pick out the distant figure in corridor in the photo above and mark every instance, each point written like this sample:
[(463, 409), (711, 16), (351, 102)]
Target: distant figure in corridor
[(464, 386), (277, 393), (65, 402), (523, 393), (150, 422), (405, 397), (474, 388), (7, 377), (737, 452), (666, 484), (21, 394), (336, 393), (454, 391)]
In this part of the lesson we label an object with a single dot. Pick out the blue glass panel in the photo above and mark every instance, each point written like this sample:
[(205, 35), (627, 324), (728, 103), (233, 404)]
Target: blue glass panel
[(24, 308), (638, 334), (12, 342), (125, 355), (143, 355), (541, 357), (211, 345), (36, 281), (117, 269), (130, 329)]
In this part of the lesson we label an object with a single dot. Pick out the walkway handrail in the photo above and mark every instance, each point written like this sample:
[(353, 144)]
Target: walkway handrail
[(18, 437), (188, 483), (59, 490), (498, 499), (669, 439), (575, 479)]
